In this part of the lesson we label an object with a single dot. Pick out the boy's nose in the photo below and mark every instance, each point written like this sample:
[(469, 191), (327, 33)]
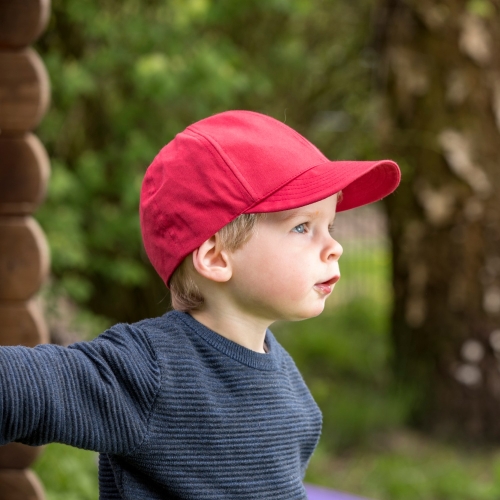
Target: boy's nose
[(332, 250)]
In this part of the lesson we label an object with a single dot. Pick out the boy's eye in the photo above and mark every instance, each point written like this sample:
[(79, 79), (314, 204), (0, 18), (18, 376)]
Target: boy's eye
[(330, 229), (301, 228)]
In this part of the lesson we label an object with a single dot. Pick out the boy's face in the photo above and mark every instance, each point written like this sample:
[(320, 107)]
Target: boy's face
[(289, 266)]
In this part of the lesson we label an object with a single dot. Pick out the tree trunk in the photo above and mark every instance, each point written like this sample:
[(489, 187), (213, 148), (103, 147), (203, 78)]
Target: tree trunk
[(440, 118)]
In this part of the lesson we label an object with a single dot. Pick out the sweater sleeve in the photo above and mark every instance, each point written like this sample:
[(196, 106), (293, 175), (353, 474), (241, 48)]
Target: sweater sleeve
[(95, 395)]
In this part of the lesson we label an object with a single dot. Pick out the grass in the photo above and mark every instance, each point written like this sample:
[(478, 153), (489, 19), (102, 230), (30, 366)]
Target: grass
[(402, 465)]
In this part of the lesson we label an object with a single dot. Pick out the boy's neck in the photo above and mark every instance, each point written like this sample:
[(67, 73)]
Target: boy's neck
[(248, 332)]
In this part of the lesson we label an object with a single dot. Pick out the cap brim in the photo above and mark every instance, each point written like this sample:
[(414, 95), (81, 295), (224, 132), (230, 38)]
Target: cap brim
[(361, 182)]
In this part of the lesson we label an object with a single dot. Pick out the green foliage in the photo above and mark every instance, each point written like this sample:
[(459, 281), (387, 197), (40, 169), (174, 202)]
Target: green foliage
[(128, 75), (481, 8), (68, 473)]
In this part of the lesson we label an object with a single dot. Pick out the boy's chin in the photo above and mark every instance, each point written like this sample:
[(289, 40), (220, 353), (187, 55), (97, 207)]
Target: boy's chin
[(302, 315)]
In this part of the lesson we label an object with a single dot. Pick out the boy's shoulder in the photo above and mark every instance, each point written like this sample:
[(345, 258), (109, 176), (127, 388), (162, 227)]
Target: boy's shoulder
[(174, 329), (169, 320), (165, 327)]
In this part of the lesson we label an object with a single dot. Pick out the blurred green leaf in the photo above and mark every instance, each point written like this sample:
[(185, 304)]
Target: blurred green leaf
[(481, 8)]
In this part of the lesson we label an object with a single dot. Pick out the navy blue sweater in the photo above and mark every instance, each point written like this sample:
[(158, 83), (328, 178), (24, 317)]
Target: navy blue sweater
[(175, 410)]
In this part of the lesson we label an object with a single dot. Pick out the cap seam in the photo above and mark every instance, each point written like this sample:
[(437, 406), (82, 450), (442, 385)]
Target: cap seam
[(290, 179), (211, 149), (153, 199), (211, 139), (299, 136)]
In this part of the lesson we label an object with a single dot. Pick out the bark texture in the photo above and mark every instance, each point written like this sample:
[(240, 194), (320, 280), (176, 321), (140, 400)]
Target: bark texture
[(440, 118)]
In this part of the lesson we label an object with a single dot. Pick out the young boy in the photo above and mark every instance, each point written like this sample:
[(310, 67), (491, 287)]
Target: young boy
[(203, 403)]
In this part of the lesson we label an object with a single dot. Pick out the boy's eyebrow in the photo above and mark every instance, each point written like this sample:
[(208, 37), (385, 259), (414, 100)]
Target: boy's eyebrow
[(292, 214)]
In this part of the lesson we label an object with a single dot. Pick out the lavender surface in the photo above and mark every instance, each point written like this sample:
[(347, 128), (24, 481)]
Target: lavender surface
[(318, 493)]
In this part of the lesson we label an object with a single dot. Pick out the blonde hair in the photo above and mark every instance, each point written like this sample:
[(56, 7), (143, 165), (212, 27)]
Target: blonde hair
[(184, 291)]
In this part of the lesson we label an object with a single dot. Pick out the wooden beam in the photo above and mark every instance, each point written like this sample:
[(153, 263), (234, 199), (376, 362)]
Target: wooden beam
[(24, 257), (22, 21), (20, 485), (22, 323), (18, 456), (24, 90), (24, 173)]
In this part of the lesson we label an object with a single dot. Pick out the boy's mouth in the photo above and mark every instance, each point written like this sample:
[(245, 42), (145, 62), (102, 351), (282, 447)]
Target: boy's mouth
[(326, 286)]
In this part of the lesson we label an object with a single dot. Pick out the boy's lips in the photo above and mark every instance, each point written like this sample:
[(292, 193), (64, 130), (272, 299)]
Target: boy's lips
[(326, 286)]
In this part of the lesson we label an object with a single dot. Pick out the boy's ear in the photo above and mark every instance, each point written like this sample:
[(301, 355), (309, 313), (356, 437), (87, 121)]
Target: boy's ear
[(212, 262)]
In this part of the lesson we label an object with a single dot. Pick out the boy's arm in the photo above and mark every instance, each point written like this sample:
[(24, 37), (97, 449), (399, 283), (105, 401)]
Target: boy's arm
[(94, 395)]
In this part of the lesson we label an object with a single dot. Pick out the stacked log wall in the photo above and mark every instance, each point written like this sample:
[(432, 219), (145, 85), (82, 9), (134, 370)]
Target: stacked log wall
[(24, 172)]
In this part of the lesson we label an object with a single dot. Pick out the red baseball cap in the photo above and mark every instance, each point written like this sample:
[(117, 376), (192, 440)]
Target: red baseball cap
[(240, 162)]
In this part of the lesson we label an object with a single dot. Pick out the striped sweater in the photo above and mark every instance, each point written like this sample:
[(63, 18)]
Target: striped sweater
[(175, 410)]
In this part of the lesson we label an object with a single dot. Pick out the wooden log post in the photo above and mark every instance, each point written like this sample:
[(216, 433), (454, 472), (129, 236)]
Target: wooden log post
[(24, 172)]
